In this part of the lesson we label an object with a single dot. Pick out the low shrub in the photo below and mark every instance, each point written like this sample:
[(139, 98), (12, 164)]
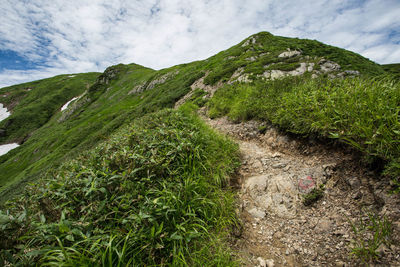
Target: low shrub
[(152, 195)]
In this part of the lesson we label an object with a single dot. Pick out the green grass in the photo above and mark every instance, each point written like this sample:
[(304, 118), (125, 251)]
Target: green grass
[(119, 179), (394, 69), (104, 108), (284, 66), (370, 233), (50, 137), (151, 195), (266, 50), (362, 112), (34, 103), (312, 197)]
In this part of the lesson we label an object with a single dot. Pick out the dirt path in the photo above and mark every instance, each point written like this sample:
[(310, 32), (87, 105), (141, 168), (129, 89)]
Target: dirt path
[(276, 172)]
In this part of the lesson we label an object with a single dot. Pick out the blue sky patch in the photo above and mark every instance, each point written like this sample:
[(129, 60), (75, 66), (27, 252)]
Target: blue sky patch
[(12, 61)]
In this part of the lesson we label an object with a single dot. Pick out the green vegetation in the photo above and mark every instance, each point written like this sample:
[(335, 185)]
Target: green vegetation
[(346, 59), (151, 195), (284, 66), (101, 110), (119, 179), (197, 97), (261, 55), (221, 73), (394, 69), (362, 112), (34, 103), (370, 233), (312, 197)]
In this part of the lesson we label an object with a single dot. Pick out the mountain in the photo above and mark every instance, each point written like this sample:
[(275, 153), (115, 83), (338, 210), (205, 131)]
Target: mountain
[(392, 68), (124, 92), (128, 107)]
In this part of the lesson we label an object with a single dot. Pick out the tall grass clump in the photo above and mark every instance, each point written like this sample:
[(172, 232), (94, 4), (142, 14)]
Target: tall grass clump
[(362, 112), (153, 195)]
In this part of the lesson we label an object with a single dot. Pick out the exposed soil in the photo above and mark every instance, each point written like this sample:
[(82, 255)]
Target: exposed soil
[(277, 171)]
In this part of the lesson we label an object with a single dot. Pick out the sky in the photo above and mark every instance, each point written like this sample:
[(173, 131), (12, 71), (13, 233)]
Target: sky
[(44, 38)]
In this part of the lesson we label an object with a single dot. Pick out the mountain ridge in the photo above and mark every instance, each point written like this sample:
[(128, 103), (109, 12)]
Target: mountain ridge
[(244, 62)]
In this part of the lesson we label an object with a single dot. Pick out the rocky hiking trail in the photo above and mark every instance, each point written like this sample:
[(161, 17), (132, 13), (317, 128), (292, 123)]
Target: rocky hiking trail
[(277, 228)]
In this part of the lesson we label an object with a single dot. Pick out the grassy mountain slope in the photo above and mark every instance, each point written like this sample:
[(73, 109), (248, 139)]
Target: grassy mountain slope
[(124, 92), (117, 163), (261, 51), (32, 104), (105, 106), (392, 68), (150, 195)]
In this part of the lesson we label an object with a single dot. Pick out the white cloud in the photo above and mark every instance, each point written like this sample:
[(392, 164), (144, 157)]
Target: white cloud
[(89, 35)]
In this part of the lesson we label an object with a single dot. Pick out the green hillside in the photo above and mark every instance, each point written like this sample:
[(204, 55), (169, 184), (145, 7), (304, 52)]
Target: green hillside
[(120, 178), (33, 104), (393, 69), (124, 92)]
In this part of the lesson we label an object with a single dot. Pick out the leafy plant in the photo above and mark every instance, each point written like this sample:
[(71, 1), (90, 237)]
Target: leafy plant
[(153, 194)]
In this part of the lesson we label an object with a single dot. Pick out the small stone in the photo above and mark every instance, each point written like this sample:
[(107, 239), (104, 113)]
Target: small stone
[(286, 168), (278, 235), (353, 182), (270, 263), (256, 213), (261, 262), (324, 225), (381, 250), (357, 195), (279, 166), (339, 233), (257, 165), (340, 264)]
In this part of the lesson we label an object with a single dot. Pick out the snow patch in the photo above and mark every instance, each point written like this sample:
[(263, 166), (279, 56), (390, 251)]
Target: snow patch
[(67, 104), (7, 147), (4, 113), (71, 76)]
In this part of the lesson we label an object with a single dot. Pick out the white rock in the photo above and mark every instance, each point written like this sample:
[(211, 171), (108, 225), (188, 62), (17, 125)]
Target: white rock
[(289, 53), (299, 71), (275, 74), (256, 213), (273, 193), (328, 66), (270, 263), (244, 78), (261, 262)]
